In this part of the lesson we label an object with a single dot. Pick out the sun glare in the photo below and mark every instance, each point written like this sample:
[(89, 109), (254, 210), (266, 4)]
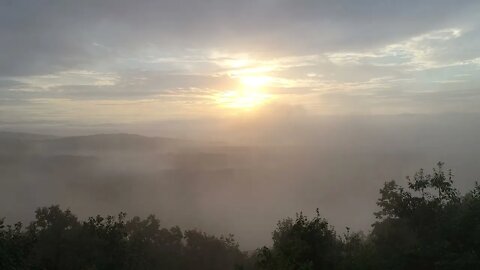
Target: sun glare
[(250, 93), (242, 99), (254, 81)]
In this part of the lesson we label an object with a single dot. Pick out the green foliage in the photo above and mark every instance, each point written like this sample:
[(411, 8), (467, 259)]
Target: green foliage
[(427, 226), (307, 244), (14, 246), (56, 239), (301, 244)]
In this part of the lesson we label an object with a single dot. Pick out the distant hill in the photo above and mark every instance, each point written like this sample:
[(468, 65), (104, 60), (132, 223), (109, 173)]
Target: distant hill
[(6, 135), (112, 142), (18, 143)]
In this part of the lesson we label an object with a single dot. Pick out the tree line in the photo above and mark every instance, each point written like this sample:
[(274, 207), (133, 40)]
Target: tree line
[(426, 224)]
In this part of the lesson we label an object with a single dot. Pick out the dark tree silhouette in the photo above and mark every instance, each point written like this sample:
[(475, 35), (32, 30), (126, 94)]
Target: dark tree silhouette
[(56, 239), (426, 225), (429, 225), (301, 244)]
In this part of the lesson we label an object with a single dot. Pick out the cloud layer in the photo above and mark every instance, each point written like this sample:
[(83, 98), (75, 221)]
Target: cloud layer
[(58, 58)]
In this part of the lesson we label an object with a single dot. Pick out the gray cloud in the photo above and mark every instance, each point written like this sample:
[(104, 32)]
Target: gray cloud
[(45, 36)]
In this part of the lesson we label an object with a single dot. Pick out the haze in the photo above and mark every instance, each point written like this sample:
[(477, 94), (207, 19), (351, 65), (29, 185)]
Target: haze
[(229, 115)]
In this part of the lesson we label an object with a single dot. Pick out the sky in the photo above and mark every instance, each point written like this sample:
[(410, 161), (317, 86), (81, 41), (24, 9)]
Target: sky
[(97, 63)]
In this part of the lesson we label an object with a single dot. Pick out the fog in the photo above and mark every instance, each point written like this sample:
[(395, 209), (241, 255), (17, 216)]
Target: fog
[(233, 176)]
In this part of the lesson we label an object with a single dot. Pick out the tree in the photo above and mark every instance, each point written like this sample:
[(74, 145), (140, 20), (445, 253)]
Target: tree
[(426, 226), (302, 244), (56, 239), (14, 246)]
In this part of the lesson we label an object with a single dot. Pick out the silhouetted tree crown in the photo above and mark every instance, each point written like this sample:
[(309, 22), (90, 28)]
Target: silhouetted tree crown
[(426, 225), (56, 239)]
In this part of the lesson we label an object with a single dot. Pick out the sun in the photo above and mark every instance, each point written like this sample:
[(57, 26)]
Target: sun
[(254, 82), (251, 93)]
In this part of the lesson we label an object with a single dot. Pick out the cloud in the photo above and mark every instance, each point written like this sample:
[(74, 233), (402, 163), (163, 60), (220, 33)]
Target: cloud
[(426, 51), (319, 54), (48, 36)]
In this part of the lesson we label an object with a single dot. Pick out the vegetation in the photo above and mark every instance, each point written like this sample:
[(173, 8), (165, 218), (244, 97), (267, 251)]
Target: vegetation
[(426, 225), (58, 240)]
